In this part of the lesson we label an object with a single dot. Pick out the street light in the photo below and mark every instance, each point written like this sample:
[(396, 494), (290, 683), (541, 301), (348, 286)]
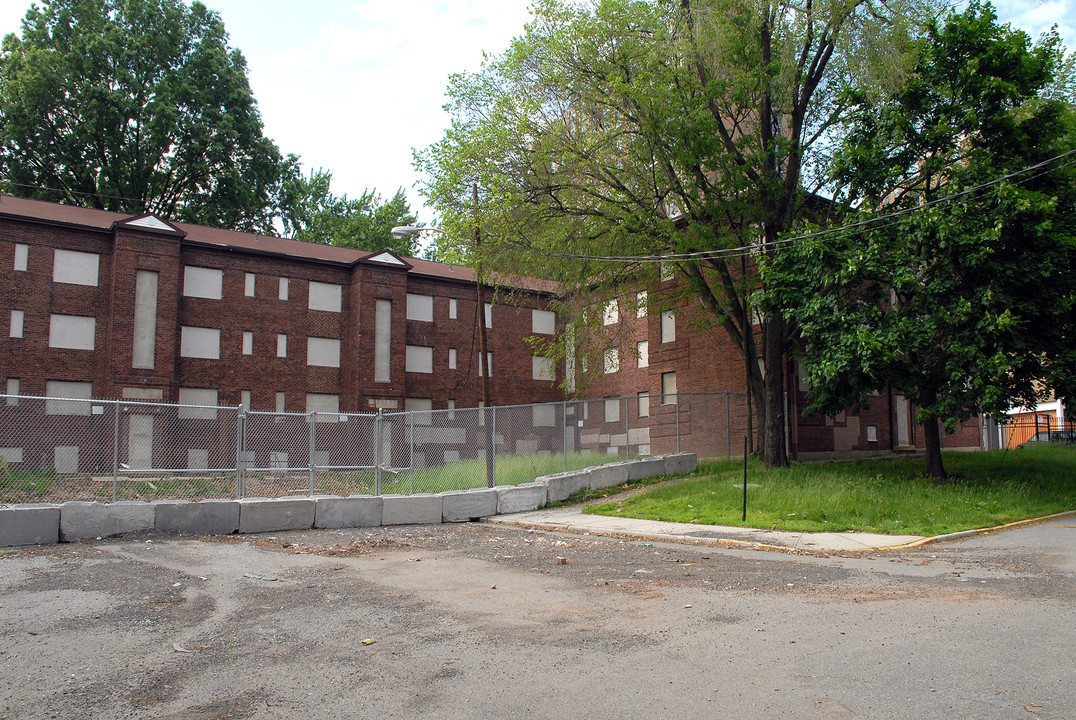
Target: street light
[(401, 231)]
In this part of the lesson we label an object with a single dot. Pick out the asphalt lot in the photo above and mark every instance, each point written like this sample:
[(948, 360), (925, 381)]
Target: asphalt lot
[(480, 621)]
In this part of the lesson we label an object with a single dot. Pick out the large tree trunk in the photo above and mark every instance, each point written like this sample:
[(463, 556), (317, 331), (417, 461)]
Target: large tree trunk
[(773, 449), (932, 431)]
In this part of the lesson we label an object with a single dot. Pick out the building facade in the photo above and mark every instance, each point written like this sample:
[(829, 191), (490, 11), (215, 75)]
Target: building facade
[(107, 305)]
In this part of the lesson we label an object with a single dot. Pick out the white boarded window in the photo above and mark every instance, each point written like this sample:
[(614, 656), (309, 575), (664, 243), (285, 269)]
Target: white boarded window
[(667, 271), (482, 366), (323, 352), (543, 322), (544, 416), (611, 313), (382, 340), (451, 409), (668, 326), (73, 332), (325, 296), (13, 389), (144, 336), (324, 403), (421, 407), (281, 345), (203, 282), (17, 320), (640, 304), (612, 409), (244, 399), (452, 358), (282, 293), (75, 268), (280, 402), (22, 257), (419, 359), (489, 315), (248, 284), (453, 308), (644, 404), (197, 396), (542, 368), (196, 342), (75, 391), (642, 352), (668, 388), (611, 361), (248, 342), (420, 307)]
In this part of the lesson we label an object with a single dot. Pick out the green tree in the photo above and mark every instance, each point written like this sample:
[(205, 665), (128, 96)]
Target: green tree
[(655, 128), (134, 106), (961, 294)]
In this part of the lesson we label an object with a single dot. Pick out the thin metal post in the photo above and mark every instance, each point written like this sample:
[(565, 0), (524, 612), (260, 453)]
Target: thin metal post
[(377, 450), (677, 423), (312, 418), (627, 429), (728, 425), (116, 452), (240, 450), (491, 466), (744, 519), (564, 431), (411, 436)]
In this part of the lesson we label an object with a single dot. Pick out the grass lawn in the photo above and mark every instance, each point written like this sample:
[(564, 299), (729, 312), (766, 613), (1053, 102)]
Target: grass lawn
[(986, 489)]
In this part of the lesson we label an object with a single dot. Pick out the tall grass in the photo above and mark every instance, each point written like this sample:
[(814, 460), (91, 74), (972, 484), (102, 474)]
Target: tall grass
[(887, 496)]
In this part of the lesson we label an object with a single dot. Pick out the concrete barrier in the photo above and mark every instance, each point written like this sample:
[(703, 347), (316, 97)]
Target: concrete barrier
[(520, 498), (258, 515), (346, 512), (208, 517), (88, 520), (463, 505), (605, 476), (30, 524), (562, 486), (681, 464), (421, 509), (646, 468)]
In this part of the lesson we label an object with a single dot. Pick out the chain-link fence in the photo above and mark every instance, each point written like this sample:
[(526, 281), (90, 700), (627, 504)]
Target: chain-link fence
[(56, 449)]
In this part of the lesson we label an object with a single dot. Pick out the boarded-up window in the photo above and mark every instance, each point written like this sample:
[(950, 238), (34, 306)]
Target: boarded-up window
[(77, 391), (421, 408), (203, 282), (75, 268), (541, 368), (325, 296), (419, 359), (668, 326), (543, 322), (144, 342), (420, 307), (611, 313), (22, 257), (196, 342), (197, 396), (642, 351), (611, 361), (382, 340), (17, 318), (323, 352), (72, 332)]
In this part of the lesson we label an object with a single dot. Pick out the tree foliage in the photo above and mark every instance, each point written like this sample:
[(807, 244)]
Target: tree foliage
[(655, 128), (134, 106), (961, 295)]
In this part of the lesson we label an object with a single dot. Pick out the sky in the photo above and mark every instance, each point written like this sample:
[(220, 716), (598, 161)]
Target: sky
[(352, 86)]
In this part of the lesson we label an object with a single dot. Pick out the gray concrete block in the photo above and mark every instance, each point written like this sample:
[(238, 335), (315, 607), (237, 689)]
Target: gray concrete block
[(681, 463), (646, 468), (561, 486), (421, 509), (348, 512), (271, 515), (463, 505), (520, 498), (88, 520), (31, 524), (605, 476), (208, 517)]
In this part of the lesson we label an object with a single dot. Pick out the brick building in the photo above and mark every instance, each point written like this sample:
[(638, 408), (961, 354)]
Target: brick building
[(108, 305)]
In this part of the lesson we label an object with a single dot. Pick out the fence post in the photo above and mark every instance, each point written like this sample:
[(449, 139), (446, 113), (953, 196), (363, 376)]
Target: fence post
[(377, 450), (564, 431), (312, 418), (728, 425), (491, 465), (677, 423), (411, 439), (240, 450), (627, 429), (116, 451)]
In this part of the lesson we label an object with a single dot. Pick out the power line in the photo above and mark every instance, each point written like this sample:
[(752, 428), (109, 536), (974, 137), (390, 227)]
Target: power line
[(756, 247)]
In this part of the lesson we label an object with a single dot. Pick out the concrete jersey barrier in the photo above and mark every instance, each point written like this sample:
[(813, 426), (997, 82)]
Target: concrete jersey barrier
[(41, 524)]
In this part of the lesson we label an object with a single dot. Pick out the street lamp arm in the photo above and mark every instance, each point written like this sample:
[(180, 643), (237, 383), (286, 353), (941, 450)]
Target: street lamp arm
[(402, 231)]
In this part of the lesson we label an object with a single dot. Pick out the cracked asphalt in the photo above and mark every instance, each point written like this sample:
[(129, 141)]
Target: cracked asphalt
[(483, 621)]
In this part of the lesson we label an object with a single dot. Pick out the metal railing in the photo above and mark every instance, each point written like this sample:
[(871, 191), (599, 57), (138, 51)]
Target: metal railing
[(57, 449)]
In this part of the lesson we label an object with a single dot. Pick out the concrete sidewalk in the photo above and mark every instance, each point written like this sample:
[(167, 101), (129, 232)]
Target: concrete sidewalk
[(570, 519)]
